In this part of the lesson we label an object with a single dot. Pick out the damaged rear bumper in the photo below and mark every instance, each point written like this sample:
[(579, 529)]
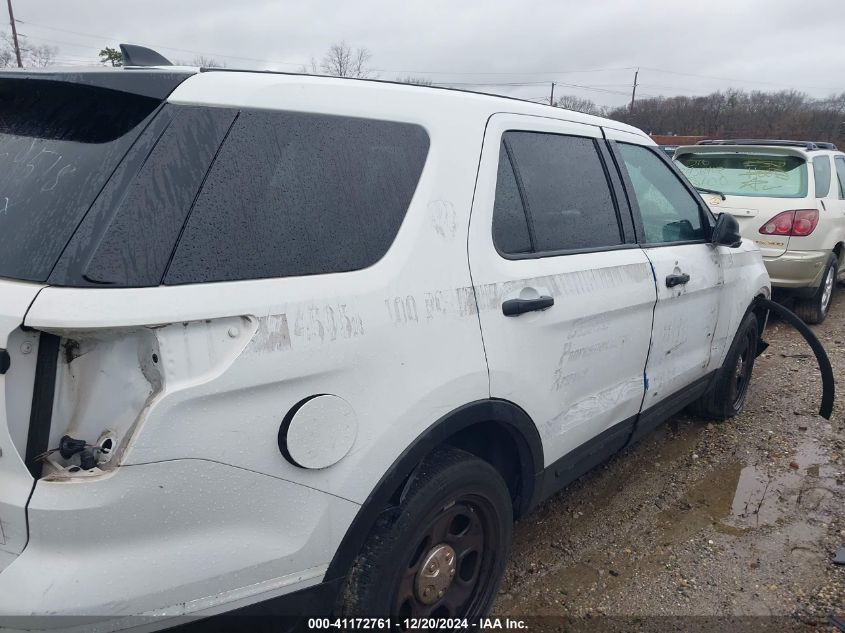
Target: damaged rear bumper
[(144, 544)]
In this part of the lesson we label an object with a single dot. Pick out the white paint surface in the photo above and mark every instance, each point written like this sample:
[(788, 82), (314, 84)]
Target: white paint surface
[(322, 432)]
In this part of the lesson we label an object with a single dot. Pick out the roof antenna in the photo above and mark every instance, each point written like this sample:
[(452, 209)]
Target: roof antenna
[(142, 56)]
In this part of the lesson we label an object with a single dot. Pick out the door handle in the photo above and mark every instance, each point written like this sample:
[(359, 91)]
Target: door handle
[(515, 307), (676, 280)]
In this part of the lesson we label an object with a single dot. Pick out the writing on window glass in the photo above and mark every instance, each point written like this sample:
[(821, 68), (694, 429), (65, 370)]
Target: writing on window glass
[(747, 174), (31, 161)]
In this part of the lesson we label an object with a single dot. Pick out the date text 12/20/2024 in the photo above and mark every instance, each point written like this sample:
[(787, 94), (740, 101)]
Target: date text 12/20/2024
[(417, 624)]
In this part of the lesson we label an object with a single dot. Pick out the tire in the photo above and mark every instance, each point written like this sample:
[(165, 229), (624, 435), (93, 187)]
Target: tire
[(726, 396), (814, 310), (456, 518)]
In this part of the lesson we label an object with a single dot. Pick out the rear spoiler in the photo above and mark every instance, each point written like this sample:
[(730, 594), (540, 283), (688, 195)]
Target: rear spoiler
[(145, 82)]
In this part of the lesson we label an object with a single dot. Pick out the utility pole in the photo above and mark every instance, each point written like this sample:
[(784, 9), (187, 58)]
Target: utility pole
[(14, 34), (634, 89), (551, 97)]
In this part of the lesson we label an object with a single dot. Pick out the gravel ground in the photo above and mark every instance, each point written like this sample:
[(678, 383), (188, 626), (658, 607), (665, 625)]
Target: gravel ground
[(738, 520)]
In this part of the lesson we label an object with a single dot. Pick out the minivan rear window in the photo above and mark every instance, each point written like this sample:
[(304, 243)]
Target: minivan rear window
[(59, 143), (752, 174)]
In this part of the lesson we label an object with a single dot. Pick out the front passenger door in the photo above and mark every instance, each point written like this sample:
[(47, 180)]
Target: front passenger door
[(673, 229)]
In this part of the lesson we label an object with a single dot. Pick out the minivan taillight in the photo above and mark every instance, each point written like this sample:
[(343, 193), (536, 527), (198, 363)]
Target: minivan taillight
[(796, 223)]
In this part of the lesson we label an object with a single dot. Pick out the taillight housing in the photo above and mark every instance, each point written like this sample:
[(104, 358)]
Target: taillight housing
[(798, 223)]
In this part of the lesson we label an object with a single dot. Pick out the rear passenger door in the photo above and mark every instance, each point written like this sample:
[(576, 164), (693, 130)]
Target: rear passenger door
[(674, 228), (565, 295)]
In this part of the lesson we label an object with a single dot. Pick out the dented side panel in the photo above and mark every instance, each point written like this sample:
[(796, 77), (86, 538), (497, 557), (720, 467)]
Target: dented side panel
[(685, 317), (577, 367)]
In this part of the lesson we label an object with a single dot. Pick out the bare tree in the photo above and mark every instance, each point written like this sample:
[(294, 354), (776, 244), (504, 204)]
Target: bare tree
[(36, 56), (311, 68), (417, 81), (206, 62), (7, 52), (342, 61), (737, 114), (40, 56), (587, 106)]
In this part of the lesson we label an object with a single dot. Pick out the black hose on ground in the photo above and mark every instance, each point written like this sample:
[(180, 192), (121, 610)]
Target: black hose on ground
[(828, 386)]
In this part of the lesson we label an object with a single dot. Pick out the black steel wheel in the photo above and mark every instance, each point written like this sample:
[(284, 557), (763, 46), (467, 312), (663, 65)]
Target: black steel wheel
[(743, 365), (448, 574), (444, 553)]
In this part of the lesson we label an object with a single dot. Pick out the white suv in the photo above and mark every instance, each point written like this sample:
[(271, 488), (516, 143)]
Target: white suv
[(318, 340), (789, 197)]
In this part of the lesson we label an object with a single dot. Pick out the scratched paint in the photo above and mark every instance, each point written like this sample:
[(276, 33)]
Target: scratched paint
[(272, 334), (444, 218), (434, 304), (581, 411), (572, 284), (327, 323)]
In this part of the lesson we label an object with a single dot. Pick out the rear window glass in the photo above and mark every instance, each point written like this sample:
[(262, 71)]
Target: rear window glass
[(299, 194), (59, 144), (750, 174)]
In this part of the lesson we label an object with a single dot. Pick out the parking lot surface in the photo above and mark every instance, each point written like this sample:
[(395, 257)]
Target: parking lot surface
[(739, 519)]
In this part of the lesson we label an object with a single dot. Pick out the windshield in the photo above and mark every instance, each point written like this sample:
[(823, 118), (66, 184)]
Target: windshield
[(751, 174), (59, 143)]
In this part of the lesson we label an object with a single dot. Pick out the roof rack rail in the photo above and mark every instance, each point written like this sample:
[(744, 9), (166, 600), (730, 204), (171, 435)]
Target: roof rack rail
[(808, 145), (142, 56), (822, 145)]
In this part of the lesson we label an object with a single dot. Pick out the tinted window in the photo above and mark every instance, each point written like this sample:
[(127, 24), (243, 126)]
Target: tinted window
[(668, 210), (59, 143), (148, 219), (821, 174), (839, 161), (565, 191), (749, 174), (300, 194), (510, 227)]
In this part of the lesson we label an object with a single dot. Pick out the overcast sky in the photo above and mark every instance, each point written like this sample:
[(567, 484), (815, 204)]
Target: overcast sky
[(680, 46)]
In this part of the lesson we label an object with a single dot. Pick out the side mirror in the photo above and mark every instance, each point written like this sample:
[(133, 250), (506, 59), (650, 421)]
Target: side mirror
[(726, 231)]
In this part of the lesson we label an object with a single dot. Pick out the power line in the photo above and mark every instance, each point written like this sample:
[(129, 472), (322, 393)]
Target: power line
[(747, 81), (298, 64)]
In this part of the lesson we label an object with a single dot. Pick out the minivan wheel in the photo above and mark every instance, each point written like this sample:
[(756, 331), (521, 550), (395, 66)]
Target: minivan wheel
[(726, 396), (443, 553), (814, 310)]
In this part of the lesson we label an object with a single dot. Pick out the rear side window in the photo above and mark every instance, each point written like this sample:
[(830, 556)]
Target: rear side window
[(839, 161), (510, 226), (139, 239), (821, 174), (564, 191), (299, 194), (59, 144), (668, 210)]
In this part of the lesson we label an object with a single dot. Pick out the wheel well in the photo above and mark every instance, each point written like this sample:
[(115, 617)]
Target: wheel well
[(838, 250), (494, 443), (495, 430), (760, 312)]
